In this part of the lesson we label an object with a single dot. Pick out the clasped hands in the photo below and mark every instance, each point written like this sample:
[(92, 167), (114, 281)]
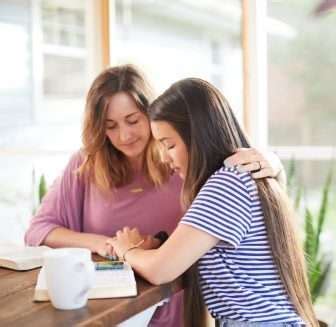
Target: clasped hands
[(126, 239)]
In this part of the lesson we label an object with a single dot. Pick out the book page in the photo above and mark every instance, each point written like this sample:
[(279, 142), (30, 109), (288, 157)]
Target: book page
[(115, 277), (18, 253)]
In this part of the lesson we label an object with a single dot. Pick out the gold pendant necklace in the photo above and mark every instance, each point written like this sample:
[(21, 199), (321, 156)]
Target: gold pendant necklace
[(136, 190)]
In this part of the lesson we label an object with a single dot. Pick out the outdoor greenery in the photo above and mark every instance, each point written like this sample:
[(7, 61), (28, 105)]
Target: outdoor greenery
[(41, 191), (317, 261)]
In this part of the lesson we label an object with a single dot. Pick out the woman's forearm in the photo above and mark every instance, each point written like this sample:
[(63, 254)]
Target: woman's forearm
[(63, 237)]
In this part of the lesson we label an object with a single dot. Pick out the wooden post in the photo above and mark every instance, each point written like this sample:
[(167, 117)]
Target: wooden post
[(254, 45), (105, 32), (246, 71)]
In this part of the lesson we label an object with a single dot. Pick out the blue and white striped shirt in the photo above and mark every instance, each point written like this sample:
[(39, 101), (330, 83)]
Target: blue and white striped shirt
[(238, 277)]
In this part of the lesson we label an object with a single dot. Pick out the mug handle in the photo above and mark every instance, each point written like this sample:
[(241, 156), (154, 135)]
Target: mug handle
[(89, 270)]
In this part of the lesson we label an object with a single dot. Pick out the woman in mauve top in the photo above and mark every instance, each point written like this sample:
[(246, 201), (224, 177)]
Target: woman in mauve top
[(117, 179)]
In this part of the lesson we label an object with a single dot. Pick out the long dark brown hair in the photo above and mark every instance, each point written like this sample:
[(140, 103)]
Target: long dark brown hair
[(204, 120), (107, 167)]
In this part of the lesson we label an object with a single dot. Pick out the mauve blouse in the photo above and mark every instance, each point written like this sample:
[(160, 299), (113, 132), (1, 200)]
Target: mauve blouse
[(74, 203)]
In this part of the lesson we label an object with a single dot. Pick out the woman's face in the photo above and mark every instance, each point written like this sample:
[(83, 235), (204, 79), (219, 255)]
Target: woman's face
[(174, 150), (127, 127)]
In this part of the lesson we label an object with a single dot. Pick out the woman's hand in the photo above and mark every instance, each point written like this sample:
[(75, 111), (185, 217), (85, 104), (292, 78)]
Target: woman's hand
[(124, 240), (148, 242), (260, 163), (99, 246)]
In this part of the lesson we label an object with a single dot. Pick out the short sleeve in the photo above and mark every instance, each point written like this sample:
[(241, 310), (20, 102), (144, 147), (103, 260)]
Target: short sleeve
[(222, 208)]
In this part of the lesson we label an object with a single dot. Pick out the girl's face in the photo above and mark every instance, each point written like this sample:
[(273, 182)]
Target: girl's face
[(127, 127), (174, 150)]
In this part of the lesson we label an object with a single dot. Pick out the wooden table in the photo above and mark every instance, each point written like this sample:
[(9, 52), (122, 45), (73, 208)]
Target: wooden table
[(18, 309)]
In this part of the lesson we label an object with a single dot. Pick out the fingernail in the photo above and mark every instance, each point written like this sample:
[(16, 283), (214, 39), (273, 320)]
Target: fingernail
[(240, 168), (111, 257), (227, 164)]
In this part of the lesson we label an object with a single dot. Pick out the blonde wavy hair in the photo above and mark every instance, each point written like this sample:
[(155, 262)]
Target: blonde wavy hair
[(103, 164)]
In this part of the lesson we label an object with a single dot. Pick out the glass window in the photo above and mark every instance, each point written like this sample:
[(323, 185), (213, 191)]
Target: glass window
[(301, 56), (302, 115), (16, 107), (64, 48), (44, 77), (171, 40)]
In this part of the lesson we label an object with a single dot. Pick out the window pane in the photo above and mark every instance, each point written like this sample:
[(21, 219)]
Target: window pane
[(64, 24), (302, 66), (44, 77), (72, 71), (64, 48), (171, 40), (15, 65)]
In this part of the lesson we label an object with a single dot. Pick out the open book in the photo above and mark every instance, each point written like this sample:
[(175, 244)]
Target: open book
[(108, 284), (20, 257)]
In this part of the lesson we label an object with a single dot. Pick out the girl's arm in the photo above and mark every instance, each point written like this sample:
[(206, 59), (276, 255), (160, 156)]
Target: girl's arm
[(183, 248)]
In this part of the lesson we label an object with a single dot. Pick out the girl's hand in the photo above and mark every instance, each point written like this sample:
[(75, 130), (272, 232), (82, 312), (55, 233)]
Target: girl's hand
[(260, 163), (124, 240), (149, 243)]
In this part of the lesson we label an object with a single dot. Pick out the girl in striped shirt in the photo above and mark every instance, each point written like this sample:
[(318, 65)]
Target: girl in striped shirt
[(236, 240)]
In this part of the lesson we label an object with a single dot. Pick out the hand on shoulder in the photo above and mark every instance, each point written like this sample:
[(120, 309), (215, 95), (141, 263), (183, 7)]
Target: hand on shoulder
[(261, 163)]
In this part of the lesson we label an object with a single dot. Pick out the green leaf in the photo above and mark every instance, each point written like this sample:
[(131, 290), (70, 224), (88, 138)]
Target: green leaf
[(309, 245), (314, 277), (324, 267), (323, 209), (42, 188), (291, 173), (317, 269), (298, 197)]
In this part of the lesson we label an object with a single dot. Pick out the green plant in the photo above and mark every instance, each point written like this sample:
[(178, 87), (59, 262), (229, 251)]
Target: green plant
[(41, 191), (294, 187), (318, 264)]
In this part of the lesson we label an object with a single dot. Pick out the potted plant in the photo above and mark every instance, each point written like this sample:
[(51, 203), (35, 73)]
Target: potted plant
[(317, 262)]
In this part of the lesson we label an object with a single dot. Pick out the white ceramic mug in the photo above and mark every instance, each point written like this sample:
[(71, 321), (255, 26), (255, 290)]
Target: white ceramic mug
[(69, 274)]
